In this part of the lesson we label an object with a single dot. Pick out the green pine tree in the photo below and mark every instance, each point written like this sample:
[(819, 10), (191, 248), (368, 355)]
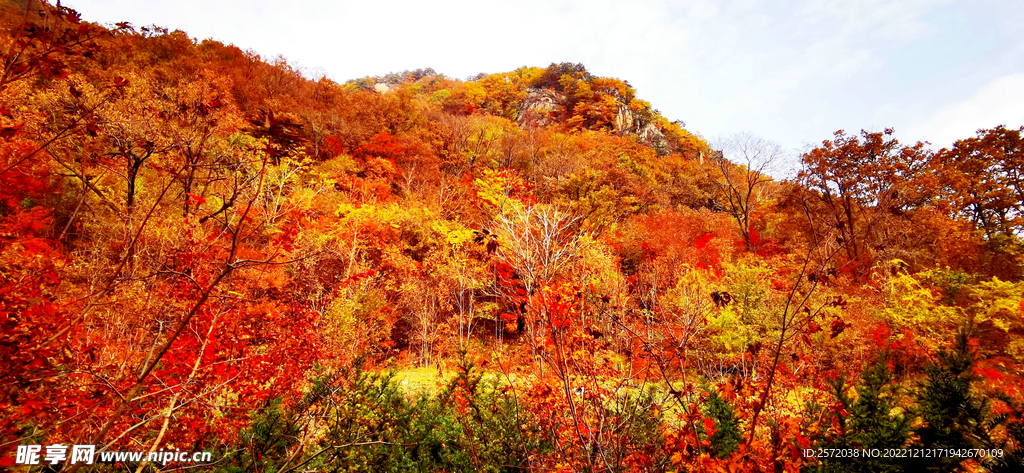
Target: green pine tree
[(727, 433), (953, 416), (874, 421)]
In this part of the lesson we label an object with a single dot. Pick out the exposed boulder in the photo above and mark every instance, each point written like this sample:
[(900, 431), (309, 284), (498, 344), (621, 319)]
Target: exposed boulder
[(651, 135), (624, 119), (544, 107), (541, 107)]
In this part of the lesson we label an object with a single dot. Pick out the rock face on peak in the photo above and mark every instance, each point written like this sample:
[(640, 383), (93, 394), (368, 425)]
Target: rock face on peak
[(651, 135), (624, 120), (545, 107), (542, 107), (627, 123)]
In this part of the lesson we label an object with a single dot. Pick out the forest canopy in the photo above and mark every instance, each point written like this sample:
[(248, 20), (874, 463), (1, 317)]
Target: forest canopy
[(202, 249)]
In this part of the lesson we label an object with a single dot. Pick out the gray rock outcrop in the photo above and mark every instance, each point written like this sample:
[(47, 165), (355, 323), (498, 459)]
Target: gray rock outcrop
[(543, 107)]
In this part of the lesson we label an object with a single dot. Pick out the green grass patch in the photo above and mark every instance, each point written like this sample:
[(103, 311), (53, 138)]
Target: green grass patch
[(415, 381), (422, 380)]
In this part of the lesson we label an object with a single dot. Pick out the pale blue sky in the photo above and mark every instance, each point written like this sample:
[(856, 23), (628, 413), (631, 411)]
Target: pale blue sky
[(790, 71)]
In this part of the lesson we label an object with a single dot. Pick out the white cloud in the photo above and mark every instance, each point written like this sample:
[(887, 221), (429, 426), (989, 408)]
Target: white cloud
[(1000, 102)]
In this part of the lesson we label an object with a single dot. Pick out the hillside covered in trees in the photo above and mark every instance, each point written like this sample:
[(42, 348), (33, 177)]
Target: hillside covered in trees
[(204, 250)]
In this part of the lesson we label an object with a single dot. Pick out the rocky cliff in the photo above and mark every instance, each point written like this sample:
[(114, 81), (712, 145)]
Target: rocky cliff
[(544, 107)]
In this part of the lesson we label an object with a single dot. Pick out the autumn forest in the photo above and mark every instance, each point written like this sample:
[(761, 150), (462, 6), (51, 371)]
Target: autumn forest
[(202, 249)]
